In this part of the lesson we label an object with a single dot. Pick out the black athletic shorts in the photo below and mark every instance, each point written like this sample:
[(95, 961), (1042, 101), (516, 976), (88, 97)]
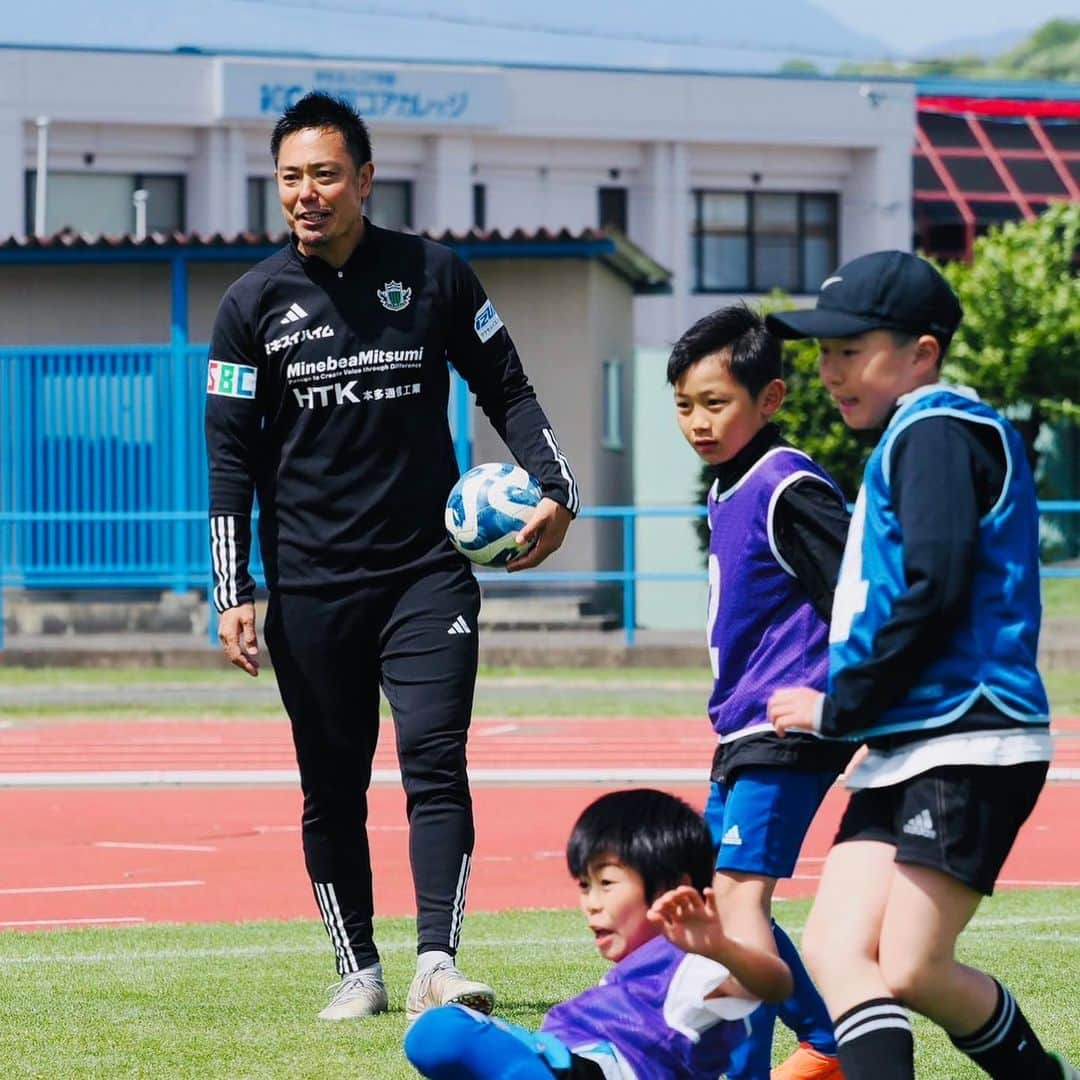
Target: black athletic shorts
[(959, 819)]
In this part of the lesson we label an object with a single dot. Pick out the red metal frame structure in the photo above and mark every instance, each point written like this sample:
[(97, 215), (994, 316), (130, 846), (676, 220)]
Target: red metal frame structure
[(980, 161)]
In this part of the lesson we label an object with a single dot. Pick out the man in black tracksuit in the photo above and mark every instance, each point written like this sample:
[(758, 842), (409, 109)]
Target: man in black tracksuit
[(327, 395)]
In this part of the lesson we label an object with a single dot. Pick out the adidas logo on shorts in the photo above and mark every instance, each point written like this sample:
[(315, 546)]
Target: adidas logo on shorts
[(732, 837), (920, 825), (459, 626)]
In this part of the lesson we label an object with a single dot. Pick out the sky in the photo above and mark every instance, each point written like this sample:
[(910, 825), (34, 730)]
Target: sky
[(706, 34), (912, 25)]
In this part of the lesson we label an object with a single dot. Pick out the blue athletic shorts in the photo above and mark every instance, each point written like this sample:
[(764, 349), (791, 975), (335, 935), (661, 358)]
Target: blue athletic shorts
[(758, 822)]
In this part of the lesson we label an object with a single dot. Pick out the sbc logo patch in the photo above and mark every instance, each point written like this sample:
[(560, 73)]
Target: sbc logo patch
[(487, 322), (231, 380)]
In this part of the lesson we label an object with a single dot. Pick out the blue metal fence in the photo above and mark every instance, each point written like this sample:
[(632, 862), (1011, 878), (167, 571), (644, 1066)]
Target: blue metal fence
[(103, 476), (103, 466), (100, 467)]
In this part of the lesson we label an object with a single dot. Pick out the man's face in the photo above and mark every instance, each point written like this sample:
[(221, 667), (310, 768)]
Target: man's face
[(322, 191), (866, 374)]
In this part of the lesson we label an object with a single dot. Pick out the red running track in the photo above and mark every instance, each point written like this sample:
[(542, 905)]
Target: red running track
[(511, 742), (518, 742), (71, 855)]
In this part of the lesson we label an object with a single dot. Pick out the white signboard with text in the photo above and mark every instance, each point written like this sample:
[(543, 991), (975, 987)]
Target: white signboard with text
[(384, 95)]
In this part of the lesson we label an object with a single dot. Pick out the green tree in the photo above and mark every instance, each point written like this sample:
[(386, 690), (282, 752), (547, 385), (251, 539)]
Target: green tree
[(798, 66), (1019, 342), (1018, 346), (1051, 52)]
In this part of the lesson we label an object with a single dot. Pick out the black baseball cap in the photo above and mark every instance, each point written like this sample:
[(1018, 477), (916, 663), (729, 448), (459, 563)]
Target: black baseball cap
[(885, 290)]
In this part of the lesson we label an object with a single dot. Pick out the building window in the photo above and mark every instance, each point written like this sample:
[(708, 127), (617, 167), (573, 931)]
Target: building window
[(390, 204), (102, 203), (756, 241), (263, 206), (479, 206), (612, 431), (611, 208)]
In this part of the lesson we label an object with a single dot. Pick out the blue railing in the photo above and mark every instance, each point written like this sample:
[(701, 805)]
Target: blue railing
[(103, 477), (86, 573)]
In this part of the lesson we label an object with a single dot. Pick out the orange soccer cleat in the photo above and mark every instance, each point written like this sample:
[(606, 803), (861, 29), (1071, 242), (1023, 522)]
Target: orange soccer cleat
[(808, 1064)]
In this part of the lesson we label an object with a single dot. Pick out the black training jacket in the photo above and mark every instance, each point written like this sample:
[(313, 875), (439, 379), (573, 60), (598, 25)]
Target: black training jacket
[(327, 394)]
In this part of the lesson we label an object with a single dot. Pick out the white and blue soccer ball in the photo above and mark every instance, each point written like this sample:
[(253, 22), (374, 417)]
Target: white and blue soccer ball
[(487, 508)]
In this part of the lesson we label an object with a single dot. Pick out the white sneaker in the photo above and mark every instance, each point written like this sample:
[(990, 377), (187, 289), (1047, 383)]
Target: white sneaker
[(445, 985), (356, 996)]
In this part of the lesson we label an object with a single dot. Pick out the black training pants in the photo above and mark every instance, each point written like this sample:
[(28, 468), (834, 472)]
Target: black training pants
[(331, 650)]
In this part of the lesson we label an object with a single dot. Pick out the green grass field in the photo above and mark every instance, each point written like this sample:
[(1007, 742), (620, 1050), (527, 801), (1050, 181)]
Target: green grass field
[(29, 695), (238, 1001), (1061, 597), (235, 1002)]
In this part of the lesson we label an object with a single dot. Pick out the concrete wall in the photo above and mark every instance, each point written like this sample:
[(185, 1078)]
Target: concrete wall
[(567, 317), (99, 304), (665, 474)]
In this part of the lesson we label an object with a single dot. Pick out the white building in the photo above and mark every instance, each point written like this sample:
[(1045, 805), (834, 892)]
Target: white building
[(738, 184)]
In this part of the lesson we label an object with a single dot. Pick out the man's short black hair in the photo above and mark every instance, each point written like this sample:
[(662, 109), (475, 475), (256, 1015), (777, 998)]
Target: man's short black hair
[(322, 110), (756, 355), (661, 837)]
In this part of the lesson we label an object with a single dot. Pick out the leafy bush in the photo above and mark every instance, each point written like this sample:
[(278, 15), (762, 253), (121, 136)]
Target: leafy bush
[(1018, 346)]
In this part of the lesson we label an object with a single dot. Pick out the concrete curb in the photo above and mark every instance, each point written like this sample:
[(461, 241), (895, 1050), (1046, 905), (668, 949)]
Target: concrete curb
[(512, 649)]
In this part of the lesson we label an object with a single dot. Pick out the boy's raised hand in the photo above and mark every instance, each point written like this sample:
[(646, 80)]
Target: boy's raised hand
[(689, 920)]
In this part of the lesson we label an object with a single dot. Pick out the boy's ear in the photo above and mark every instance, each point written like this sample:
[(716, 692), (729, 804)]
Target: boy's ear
[(772, 396), (927, 353)]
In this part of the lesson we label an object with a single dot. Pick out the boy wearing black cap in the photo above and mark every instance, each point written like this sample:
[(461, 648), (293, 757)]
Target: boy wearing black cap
[(932, 664)]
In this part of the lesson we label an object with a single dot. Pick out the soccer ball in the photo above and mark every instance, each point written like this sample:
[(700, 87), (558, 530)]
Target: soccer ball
[(487, 508)]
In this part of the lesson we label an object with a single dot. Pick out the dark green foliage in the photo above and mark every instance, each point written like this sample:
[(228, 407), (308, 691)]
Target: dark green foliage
[(1051, 52), (1019, 342), (1018, 346)]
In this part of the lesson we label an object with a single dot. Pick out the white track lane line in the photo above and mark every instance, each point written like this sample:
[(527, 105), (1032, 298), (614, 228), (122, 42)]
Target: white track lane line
[(73, 922), (499, 729), (290, 777), (142, 956), (36, 889), (132, 845)]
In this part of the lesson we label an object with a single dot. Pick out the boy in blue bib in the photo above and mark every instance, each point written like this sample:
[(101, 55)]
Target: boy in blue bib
[(933, 641)]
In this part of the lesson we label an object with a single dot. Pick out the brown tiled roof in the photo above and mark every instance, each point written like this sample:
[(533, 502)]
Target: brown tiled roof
[(615, 250)]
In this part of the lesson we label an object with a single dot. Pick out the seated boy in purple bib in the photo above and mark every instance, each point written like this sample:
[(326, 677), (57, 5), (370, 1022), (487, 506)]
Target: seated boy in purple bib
[(777, 528), (675, 1003)]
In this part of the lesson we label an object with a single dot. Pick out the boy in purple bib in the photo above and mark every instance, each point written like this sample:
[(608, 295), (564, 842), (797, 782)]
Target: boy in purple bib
[(675, 1002), (777, 528)]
